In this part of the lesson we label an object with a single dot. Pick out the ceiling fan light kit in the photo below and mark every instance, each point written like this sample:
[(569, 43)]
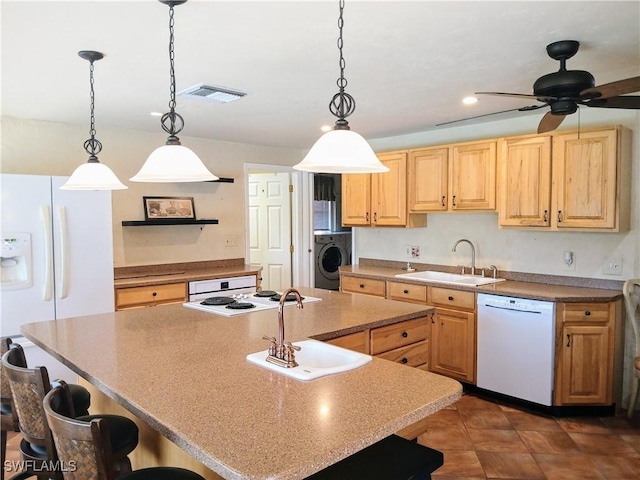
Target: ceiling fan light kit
[(173, 162), (565, 90), (341, 150), (92, 175)]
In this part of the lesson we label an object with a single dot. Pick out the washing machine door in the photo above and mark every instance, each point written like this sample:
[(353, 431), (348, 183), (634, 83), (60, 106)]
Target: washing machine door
[(330, 258)]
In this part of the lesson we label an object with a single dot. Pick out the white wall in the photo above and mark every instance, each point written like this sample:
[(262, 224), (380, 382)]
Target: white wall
[(513, 250), (50, 148)]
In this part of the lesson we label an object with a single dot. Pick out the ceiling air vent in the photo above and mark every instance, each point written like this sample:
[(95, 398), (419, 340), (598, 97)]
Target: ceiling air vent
[(215, 94)]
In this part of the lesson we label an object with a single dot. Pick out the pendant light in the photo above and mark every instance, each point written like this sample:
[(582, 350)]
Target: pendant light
[(92, 175), (173, 162), (341, 150)]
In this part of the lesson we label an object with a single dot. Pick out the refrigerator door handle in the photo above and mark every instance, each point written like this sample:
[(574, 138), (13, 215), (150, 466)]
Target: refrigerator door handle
[(45, 217), (64, 252)]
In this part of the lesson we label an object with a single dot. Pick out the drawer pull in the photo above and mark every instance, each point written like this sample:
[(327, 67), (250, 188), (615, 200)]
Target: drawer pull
[(362, 285), (568, 340), (154, 294), (450, 299), (405, 334), (587, 313), (404, 360), (406, 291)]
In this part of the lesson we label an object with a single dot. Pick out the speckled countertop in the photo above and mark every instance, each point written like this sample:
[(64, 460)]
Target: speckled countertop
[(185, 373), (509, 288)]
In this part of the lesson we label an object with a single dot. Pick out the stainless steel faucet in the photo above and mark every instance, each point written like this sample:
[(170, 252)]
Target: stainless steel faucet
[(473, 253), (281, 352)]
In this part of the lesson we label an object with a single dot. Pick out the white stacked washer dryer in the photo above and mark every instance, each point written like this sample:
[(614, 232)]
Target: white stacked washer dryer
[(332, 250)]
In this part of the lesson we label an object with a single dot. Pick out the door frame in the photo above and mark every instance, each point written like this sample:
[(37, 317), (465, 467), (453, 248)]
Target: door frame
[(301, 220)]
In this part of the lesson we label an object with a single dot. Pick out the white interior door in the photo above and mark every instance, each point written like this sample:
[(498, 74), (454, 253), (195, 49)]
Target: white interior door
[(270, 227)]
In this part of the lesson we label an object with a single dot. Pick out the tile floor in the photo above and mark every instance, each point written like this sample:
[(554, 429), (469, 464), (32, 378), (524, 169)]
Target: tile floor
[(482, 439)]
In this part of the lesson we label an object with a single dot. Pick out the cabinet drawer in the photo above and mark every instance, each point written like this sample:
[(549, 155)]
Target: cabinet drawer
[(398, 335), (407, 292), (362, 285), (586, 312), (153, 294), (414, 355), (354, 341), (450, 298)]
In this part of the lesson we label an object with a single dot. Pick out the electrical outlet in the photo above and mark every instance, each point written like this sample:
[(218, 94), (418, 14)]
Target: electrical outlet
[(612, 266), (407, 251), (231, 242), (415, 251)]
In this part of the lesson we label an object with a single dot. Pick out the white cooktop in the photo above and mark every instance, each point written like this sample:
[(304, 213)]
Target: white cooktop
[(259, 303)]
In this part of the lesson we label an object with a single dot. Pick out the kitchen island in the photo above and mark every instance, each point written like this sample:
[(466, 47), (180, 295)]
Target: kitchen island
[(184, 373)]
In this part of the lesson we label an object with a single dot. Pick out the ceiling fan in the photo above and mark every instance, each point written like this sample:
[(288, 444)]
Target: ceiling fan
[(563, 91)]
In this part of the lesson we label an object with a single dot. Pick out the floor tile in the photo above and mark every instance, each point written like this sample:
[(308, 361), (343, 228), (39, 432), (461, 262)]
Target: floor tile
[(445, 419), (583, 425), (598, 443), (459, 464), (446, 439), (471, 402), (623, 468), (510, 465), (494, 419), (496, 440), (621, 423), (567, 467), (549, 442), (530, 421), (633, 440)]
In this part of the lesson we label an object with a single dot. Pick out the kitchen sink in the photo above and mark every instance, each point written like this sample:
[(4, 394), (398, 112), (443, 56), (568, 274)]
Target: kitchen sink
[(449, 278), (315, 359)]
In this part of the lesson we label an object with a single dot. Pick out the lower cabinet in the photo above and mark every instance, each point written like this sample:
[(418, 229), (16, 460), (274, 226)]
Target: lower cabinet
[(149, 296), (405, 342), (358, 342), (368, 286), (453, 347)]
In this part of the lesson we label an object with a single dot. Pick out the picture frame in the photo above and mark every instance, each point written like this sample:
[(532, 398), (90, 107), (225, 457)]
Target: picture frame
[(163, 208)]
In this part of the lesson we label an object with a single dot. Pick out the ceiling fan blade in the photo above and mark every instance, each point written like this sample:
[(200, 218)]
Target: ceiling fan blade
[(521, 109), (518, 95), (550, 122), (614, 89), (628, 101)]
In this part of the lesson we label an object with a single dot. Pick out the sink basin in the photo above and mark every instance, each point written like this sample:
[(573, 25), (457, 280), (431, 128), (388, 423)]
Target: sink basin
[(315, 359), (449, 278)]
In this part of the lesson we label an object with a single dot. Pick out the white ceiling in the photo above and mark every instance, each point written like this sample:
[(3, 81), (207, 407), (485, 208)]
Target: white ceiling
[(408, 64)]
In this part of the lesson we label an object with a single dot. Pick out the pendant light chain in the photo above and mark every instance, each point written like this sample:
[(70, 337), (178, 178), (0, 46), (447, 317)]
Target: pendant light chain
[(172, 115), (92, 146), (342, 104)]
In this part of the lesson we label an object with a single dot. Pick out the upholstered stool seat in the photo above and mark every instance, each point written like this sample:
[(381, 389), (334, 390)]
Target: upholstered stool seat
[(161, 473), (123, 432), (81, 399)]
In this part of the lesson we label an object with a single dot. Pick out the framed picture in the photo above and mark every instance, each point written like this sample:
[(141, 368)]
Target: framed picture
[(162, 208)]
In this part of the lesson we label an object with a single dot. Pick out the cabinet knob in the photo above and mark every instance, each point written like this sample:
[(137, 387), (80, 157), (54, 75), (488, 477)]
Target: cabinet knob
[(450, 299), (406, 291), (404, 360), (362, 285), (405, 334), (587, 313), (154, 294)]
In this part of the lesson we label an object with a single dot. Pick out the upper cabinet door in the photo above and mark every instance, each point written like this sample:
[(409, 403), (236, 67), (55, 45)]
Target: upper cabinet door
[(428, 178), (389, 191), (585, 179), (524, 181), (356, 199), (473, 176)]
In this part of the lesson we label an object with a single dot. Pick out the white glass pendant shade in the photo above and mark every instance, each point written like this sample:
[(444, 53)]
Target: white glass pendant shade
[(341, 151), (173, 163), (93, 176)]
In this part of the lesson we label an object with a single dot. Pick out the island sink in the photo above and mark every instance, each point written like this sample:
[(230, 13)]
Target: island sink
[(315, 359), (449, 278)]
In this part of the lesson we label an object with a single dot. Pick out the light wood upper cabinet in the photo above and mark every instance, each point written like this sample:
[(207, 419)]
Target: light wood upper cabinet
[(379, 199), (428, 179), (524, 181), (585, 177), (456, 177)]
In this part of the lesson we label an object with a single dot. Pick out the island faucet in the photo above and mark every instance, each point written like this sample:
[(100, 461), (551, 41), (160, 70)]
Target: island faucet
[(473, 253), (281, 352)]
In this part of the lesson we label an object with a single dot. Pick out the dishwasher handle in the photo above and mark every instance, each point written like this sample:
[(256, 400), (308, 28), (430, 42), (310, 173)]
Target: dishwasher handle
[(536, 312)]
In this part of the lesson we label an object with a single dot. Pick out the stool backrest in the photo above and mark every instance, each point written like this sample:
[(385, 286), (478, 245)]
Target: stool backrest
[(6, 388), (631, 292), (28, 389), (84, 448)]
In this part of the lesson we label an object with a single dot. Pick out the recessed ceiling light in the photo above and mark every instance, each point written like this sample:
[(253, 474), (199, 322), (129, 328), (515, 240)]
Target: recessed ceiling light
[(326, 128), (469, 100)]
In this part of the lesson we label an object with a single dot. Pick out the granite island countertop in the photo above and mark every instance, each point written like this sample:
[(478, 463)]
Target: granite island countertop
[(509, 288), (184, 372)]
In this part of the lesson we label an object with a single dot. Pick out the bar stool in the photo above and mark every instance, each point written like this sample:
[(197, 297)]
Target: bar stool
[(28, 389), (85, 445), (631, 292), (7, 410)]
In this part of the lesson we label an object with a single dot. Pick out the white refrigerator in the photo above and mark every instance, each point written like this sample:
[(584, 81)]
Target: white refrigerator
[(56, 259)]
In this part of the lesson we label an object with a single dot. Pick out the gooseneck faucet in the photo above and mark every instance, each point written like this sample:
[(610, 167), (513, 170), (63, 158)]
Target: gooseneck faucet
[(281, 352), (473, 253)]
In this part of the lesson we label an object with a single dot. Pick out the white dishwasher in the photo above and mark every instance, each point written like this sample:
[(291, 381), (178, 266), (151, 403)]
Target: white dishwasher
[(516, 340)]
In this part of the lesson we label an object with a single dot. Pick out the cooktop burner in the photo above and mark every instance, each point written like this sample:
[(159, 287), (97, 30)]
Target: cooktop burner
[(217, 301), (240, 306), (289, 298), (266, 293)]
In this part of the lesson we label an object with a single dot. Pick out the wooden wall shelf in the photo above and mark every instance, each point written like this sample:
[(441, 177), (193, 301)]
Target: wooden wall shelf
[(168, 221)]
